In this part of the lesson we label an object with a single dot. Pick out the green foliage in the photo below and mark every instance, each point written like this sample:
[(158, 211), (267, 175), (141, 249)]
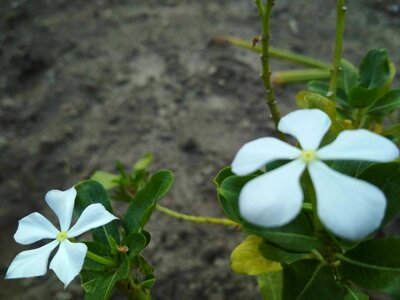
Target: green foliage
[(99, 285), (387, 178), (276, 254), (271, 285), (90, 192), (310, 280), (228, 195), (144, 202), (297, 236), (373, 264), (387, 104), (353, 293)]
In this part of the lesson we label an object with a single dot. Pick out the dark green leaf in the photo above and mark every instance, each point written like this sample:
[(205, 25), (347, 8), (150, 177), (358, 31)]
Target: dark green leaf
[(361, 97), (274, 253), (386, 177), (348, 76), (393, 133), (351, 168), (99, 249), (136, 242), (374, 69), (310, 280), (270, 285), (322, 89), (387, 104), (222, 175), (352, 293), (99, 285), (90, 192), (373, 264), (148, 281), (228, 195), (297, 236), (144, 202)]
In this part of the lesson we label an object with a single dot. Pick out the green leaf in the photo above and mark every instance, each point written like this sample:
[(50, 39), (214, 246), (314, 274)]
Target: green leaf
[(106, 179), (373, 264), (393, 132), (352, 293), (310, 280), (297, 236), (276, 254), (90, 192), (222, 175), (314, 100), (270, 285), (148, 281), (322, 88), (387, 104), (348, 76), (386, 177), (144, 202), (352, 168), (361, 97), (228, 195), (136, 242), (374, 69), (246, 259), (143, 163), (99, 285), (99, 249)]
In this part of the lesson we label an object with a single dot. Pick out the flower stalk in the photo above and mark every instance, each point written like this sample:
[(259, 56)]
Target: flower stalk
[(265, 13), (100, 259), (341, 9), (196, 219)]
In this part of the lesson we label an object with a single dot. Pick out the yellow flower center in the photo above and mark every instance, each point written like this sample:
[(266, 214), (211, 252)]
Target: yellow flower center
[(308, 155), (62, 235)]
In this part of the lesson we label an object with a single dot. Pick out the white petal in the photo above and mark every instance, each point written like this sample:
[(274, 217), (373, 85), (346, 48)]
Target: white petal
[(33, 228), (349, 207), (308, 126), (359, 144), (62, 203), (256, 154), (93, 216), (68, 261), (31, 263), (275, 198)]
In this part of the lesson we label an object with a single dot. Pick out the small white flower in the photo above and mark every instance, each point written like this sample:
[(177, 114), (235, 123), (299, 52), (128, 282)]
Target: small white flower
[(349, 207), (69, 259)]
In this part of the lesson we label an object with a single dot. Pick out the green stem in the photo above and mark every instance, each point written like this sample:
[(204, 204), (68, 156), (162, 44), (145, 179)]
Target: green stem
[(133, 291), (292, 76), (274, 52), (335, 69), (265, 13), (196, 219), (318, 227), (100, 259)]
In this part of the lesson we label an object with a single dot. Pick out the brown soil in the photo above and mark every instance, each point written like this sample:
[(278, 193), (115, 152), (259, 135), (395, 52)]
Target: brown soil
[(84, 83)]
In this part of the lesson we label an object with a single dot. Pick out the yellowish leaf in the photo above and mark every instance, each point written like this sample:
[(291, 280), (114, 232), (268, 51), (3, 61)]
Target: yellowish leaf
[(246, 259)]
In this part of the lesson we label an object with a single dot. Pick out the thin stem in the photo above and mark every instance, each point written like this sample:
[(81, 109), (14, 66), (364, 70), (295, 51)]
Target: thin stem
[(196, 219), (100, 259), (274, 52), (292, 76), (265, 13), (335, 69), (318, 227)]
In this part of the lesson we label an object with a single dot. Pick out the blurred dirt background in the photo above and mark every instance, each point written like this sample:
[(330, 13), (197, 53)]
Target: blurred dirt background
[(84, 83)]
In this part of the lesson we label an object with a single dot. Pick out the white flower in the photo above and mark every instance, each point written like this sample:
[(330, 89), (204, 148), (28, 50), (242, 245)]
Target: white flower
[(68, 261), (348, 207)]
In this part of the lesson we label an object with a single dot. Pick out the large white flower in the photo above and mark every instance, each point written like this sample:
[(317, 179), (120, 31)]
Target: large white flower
[(68, 261), (349, 207)]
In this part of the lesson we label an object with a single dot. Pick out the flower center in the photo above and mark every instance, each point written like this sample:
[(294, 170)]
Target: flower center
[(61, 236), (308, 155)]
